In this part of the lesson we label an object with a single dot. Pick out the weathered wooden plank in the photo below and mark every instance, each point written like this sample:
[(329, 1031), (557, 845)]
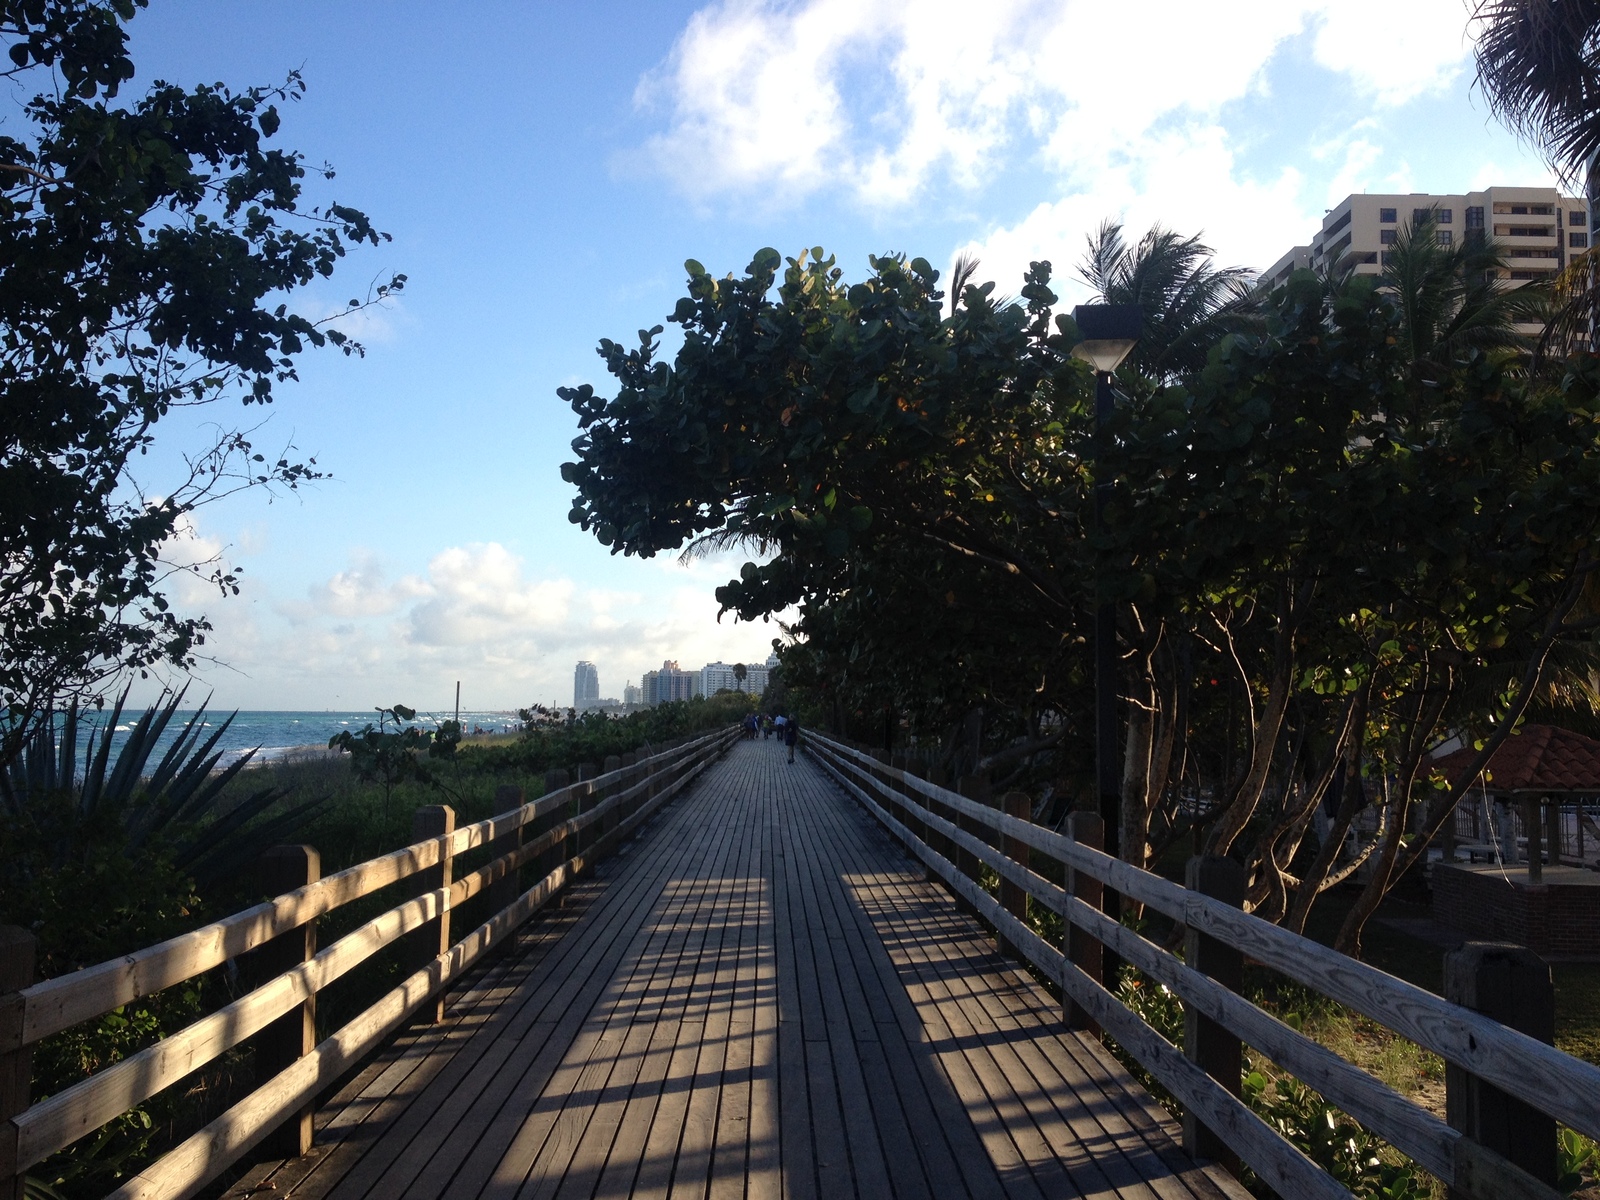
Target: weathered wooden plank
[(465, 1144), (1051, 960), (946, 1138), (1428, 1140), (1556, 1083), (763, 989), (575, 1111), (685, 941)]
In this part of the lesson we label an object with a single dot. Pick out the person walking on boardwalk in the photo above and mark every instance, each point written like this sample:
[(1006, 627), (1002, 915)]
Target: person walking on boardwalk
[(791, 735)]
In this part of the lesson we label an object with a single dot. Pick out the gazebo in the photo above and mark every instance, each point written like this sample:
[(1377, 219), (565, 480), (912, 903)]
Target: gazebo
[(1542, 774), (1538, 772)]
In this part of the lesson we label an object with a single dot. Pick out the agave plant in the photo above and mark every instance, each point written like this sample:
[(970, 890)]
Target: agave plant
[(176, 806)]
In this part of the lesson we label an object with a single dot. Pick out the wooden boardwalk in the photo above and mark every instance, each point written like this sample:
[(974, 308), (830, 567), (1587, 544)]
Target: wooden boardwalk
[(758, 996)]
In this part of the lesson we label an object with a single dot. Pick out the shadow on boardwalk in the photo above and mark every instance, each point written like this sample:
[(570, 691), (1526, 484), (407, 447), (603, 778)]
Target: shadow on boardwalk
[(758, 996)]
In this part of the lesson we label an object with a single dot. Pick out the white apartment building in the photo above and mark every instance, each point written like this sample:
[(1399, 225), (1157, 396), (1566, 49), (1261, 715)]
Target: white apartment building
[(1539, 231), (718, 675)]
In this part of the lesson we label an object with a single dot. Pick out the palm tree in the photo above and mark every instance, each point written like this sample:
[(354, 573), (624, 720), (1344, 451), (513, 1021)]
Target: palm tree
[(1452, 301), (1539, 67), (1189, 303)]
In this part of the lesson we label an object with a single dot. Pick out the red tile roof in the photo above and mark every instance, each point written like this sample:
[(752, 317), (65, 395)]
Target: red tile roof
[(1536, 758)]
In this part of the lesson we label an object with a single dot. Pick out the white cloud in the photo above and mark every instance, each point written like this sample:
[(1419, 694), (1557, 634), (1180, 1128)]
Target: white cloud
[(1250, 221), (1394, 51), (779, 101), (475, 613)]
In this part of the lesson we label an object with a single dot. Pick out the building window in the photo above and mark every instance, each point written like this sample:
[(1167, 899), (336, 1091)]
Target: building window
[(1371, 256), (1387, 216), (1336, 226), (1419, 215), (1531, 274), (1475, 217), (1578, 241), (1446, 215), (1386, 236), (1532, 231), (1386, 256), (1446, 238), (1577, 218)]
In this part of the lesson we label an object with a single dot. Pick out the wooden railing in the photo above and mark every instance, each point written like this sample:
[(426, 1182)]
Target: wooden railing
[(1507, 1089), (586, 819)]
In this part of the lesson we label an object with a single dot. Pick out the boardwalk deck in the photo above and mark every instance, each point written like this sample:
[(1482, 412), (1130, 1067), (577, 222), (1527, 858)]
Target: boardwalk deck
[(758, 996)]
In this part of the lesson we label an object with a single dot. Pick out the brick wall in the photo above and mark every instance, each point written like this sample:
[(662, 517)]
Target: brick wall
[(1553, 919)]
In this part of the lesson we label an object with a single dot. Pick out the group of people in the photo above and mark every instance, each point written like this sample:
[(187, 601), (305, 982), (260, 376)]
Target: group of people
[(786, 728)]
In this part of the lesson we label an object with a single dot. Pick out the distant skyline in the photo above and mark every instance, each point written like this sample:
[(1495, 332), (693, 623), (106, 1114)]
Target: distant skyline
[(546, 169)]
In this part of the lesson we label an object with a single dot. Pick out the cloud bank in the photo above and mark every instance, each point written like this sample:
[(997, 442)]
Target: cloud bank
[(364, 635), (1125, 107)]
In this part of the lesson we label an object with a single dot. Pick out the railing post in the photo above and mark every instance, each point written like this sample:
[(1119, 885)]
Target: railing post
[(292, 1036), (629, 764), (1013, 898), (1512, 985), (584, 799), (433, 939), (18, 949), (1087, 829), (975, 788), (609, 821), (503, 892), (1211, 1046)]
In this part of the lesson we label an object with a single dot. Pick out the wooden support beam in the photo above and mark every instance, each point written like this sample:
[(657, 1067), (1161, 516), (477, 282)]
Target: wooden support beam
[(504, 891), (292, 1036), (1209, 1045), (1012, 898), (1087, 829), (1512, 985), (433, 939), (18, 949)]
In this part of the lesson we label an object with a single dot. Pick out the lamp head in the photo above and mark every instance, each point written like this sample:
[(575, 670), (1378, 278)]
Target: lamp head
[(1110, 331)]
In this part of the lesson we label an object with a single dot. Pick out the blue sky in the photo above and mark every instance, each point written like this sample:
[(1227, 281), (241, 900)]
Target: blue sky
[(545, 169)]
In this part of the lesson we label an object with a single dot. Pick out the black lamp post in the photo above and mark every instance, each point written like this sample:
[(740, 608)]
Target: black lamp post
[(1109, 334)]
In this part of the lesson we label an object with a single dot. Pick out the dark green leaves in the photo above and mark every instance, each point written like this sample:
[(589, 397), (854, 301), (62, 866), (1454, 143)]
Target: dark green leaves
[(149, 245)]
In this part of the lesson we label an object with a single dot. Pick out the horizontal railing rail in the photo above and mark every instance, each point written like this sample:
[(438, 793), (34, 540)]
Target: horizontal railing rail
[(606, 810), (920, 813)]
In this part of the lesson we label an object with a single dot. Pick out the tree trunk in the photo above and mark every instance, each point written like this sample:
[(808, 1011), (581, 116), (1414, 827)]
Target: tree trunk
[(1350, 803), (1291, 602)]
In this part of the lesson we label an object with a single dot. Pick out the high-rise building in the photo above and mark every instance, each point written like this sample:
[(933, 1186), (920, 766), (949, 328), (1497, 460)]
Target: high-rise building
[(718, 676), (585, 686), (1538, 230), (632, 694), (669, 683)]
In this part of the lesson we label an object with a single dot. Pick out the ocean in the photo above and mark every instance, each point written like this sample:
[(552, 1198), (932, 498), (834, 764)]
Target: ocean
[(275, 734)]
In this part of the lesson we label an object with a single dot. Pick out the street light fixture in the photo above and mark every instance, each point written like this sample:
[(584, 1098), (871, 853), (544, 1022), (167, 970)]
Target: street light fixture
[(1110, 332)]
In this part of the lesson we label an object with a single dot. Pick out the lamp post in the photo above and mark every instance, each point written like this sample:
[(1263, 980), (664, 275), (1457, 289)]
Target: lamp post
[(1110, 332)]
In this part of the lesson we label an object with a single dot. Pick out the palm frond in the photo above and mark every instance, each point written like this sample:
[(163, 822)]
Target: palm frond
[(961, 274), (1539, 67), (723, 539), (1189, 303)]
